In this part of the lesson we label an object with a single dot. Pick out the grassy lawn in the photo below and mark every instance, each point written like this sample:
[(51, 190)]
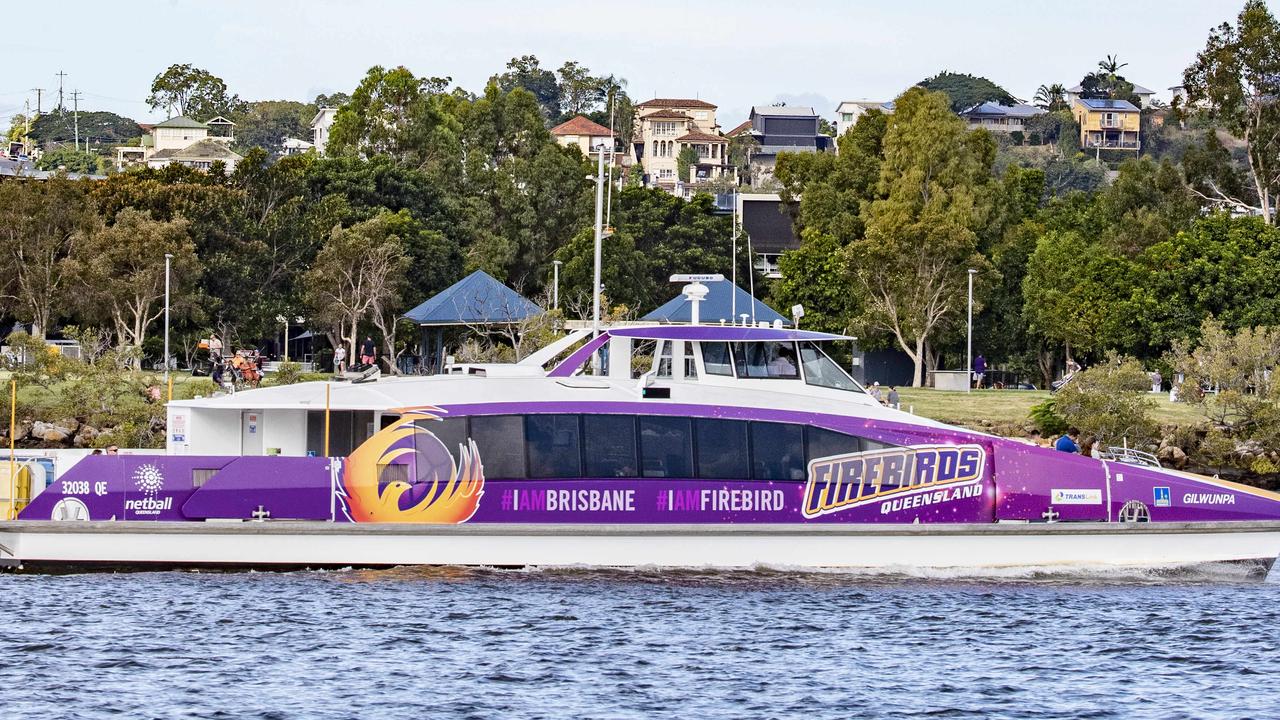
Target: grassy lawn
[(1005, 411)]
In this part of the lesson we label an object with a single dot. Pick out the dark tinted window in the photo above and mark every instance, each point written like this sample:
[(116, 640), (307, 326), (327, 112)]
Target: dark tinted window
[(765, 360), (715, 358), (825, 443), (451, 431), (610, 444), (500, 442), (821, 370), (666, 447), (777, 451), (554, 447), (722, 449)]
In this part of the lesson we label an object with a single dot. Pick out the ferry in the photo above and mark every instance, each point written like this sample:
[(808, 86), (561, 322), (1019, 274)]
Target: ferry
[(737, 446)]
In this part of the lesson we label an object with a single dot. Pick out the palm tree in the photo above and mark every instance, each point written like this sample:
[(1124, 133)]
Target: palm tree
[(1050, 97), (1111, 65)]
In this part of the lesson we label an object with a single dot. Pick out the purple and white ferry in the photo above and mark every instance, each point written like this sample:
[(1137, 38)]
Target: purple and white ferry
[(738, 446)]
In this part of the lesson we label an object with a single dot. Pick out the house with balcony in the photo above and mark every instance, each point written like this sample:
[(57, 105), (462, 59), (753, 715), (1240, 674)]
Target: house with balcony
[(665, 126), (1108, 124), (782, 128), (848, 112), (183, 141), (1006, 119)]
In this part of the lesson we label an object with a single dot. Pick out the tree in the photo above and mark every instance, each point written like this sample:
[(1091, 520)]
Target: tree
[(193, 92), (119, 272), (394, 113), (1075, 293), (39, 223), (1051, 97), (834, 190), (65, 157), (686, 159), (964, 90), (331, 100), (1240, 366), (267, 123), (525, 72), (579, 90), (1110, 402), (921, 231), (816, 276), (1236, 80), (105, 128), (358, 275)]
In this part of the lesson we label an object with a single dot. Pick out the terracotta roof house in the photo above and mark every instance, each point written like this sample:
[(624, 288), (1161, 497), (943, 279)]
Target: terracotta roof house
[(583, 133), (663, 127)]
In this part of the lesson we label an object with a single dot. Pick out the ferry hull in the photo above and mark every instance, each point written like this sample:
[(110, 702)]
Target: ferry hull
[(319, 544)]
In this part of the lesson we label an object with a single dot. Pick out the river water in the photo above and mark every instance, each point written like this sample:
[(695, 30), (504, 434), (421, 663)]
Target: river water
[(445, 642)]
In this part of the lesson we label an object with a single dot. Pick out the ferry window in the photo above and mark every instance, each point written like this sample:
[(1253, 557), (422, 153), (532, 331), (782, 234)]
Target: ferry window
[(555, 449), (765, 360), (821, 370), (664, 359), (777, 451), (500, 442), (451, 431), (610, 445), (666, 447), (690, 366), (722, 449), (825, 443), (716, 358)]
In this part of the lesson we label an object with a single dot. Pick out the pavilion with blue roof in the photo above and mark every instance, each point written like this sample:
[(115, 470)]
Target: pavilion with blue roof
[(725, 302), (476, 300)]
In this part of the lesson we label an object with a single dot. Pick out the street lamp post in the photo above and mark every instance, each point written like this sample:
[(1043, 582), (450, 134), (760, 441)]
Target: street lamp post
[(168, 257), (555, 293), (969, 342)]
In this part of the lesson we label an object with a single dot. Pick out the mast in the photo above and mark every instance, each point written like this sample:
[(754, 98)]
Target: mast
[(595, 289)]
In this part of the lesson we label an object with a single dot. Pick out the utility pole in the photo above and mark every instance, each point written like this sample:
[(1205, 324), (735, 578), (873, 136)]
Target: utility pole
[(75, 98), (39, 94), (61, 77)]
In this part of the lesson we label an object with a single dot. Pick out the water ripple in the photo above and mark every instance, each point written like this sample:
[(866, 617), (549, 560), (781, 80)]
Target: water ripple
[(457, 642)]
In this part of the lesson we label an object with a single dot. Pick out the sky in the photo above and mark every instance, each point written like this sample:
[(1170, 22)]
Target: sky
[(735, 54)]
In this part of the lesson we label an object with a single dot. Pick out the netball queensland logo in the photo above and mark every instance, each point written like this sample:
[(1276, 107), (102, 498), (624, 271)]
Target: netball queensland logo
[(843, 482), (149, 480)]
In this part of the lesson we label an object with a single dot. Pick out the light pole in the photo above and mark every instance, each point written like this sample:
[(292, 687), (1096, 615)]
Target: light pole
[(168, 257), (595, 286), (555, 293), (969, 342)]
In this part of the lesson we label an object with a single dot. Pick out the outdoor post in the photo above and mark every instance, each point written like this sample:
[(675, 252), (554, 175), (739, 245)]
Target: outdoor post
[(327, 387), (555, 293), (969, 342), (167, 380), (595, 288), (733, 255), (13, 435)]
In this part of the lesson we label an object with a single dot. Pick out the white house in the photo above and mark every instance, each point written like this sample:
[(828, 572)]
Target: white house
[(184, 141), (320, 125), (848, 112)]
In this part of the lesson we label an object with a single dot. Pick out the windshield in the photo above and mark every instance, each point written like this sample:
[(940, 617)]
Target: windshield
[(822, 371), (765, 360)]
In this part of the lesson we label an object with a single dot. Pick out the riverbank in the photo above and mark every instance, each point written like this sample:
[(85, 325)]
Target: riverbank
[(1007, 412)]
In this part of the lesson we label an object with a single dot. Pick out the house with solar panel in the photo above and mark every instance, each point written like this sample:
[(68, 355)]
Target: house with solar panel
[(1108, 124)]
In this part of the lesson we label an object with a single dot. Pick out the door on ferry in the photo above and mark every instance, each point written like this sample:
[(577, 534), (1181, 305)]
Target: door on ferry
[(251, 432)]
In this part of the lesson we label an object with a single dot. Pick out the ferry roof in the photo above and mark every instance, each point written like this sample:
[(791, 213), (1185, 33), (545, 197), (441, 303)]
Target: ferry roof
[(723, 333)]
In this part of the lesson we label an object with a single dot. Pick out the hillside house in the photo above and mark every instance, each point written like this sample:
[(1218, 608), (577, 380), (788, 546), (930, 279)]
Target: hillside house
[(664, 126), (782, 128), (320, 125), (583, 133), (848, 112), (1108, 124), (183, 141), (1001, 118), (1145, 95)]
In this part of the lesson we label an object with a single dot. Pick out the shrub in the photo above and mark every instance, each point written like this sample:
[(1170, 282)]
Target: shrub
[(1017, 136), (287, 374), (1046, 418), (1110, 401)]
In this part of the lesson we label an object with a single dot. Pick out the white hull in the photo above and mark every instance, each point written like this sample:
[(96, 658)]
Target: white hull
[(317, 544)]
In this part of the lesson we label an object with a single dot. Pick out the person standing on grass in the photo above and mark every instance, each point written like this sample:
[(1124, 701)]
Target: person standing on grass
[(894, 401), (979, 370), (1067, 443), (367, 350), (340, 359)]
